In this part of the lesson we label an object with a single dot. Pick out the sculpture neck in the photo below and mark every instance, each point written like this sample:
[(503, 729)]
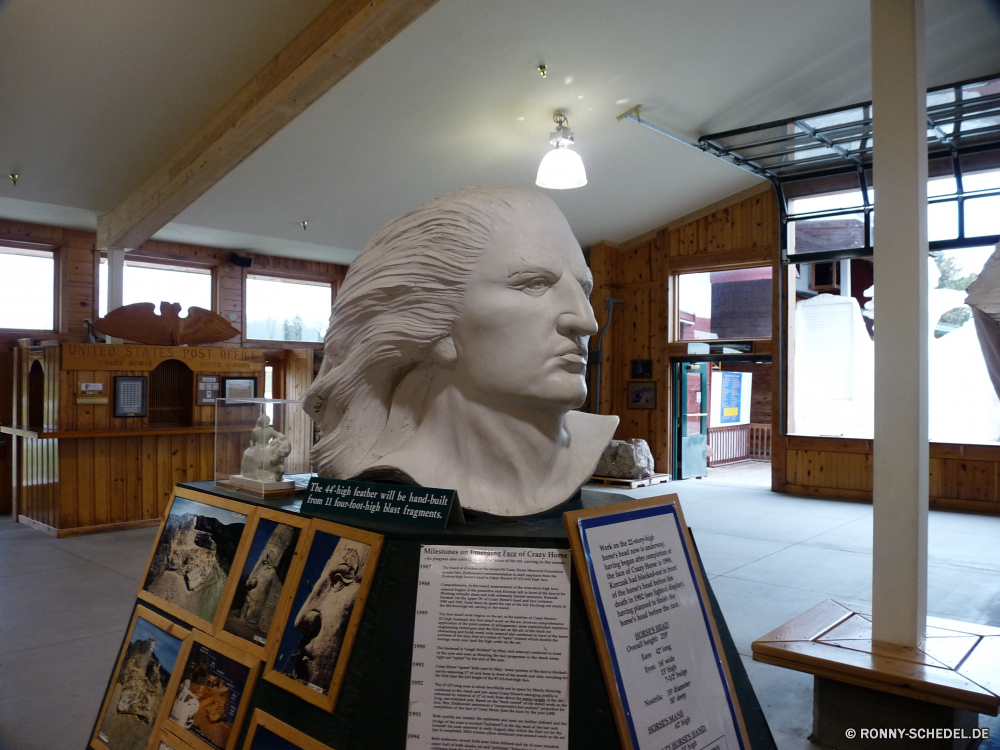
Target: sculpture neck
[(519, 461)]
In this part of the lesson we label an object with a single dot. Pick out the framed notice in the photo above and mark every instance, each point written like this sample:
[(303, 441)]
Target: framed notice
[(207, 706), (250, 607), (148, 668), (209, 388), (657, 639), (239, 387), (318, 622), (130, 395), (267, 733), (641, 395), (191, 568)]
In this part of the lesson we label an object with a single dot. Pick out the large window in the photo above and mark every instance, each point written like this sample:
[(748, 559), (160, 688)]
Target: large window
[(287, 309), (27, 281), (725, 304), (156, 282), (832, 373)]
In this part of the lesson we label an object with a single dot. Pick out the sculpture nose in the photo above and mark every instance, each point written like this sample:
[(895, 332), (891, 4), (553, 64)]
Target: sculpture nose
[(578, 317), (309, 624)]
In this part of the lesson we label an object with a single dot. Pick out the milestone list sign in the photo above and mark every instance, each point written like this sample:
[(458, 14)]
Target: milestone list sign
[(374, 501), (143, 357), (663, 654), (490, 663)]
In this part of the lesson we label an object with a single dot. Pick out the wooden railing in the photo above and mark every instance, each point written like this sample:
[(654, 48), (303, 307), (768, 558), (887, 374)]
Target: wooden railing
[(742, 442)]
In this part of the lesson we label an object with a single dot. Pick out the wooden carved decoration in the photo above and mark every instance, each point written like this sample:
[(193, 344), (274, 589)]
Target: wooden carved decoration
[(140, 322)]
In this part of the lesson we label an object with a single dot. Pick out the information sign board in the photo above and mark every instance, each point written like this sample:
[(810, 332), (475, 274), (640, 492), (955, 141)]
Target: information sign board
[(658, 642), (375, 501)]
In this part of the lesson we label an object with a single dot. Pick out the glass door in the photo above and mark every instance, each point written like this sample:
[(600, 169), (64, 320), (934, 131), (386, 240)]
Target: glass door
[(691, 387)]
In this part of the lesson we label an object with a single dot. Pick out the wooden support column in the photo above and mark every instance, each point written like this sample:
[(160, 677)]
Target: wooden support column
[(116, 277), (899, 106)]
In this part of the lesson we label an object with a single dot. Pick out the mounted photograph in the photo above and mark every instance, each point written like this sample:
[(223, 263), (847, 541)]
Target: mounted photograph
[(268, 733), (320, 621), (194, 556), (248, 615), (145, 674), (211, 698)]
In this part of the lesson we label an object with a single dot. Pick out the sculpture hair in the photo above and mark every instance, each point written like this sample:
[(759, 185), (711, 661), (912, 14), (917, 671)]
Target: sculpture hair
[(399, 299)]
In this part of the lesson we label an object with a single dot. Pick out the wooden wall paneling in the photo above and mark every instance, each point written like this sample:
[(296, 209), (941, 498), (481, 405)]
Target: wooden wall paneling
[(117, 458), (603, 256), (133, 478), (659, 438), (69, 495), (298, 372), (149, 476), (102, 482)]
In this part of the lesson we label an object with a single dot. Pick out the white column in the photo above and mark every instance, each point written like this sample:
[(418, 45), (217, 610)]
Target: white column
[(116, 274), (899, 107)]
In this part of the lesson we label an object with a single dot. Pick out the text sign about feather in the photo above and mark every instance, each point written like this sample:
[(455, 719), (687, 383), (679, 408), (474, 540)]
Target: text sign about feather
[(373, 501), (143, 357)]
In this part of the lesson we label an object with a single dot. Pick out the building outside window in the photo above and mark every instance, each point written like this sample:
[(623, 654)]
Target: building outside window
[(27, 300), (832, 374), (725, 304), (157, 282), (281, 309)]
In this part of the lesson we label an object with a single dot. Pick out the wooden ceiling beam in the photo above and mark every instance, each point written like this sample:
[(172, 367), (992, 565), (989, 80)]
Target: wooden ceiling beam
[(341, 38)]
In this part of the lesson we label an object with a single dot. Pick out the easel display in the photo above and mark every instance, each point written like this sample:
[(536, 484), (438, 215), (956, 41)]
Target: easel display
[(373, 689)]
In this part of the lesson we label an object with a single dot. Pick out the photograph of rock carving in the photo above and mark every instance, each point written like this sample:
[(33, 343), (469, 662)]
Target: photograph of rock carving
[(136, 697), (262, 580), (324, 600), (194, 555), (457, 353), (209, 695)]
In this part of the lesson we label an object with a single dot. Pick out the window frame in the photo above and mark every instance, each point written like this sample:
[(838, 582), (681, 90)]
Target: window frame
[(179, 263), (675, 299), (282, 274), (57, 275)]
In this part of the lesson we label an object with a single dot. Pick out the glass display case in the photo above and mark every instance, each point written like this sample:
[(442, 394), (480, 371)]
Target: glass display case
[(262, 446)]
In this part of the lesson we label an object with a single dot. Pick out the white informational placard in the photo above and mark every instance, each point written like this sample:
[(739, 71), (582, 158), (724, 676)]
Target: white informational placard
[(669, 673), (730, 399), (490, 649)]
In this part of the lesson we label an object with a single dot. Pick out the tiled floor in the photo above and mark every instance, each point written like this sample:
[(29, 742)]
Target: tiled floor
[(65, 603)]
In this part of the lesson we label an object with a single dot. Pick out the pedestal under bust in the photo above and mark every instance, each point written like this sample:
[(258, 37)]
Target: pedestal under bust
[(456, 354)]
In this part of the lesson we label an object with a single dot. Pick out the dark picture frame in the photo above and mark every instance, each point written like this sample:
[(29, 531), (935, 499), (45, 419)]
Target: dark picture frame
[(235, 385), (641, 395), (209, 389), (130, 396), (642, 368)]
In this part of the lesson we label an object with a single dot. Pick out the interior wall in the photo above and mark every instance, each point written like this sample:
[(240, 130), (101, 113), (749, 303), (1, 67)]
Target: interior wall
[(77, 268), (739, 232)]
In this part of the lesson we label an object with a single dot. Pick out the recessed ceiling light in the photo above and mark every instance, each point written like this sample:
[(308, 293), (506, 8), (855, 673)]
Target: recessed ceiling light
[(569, 80), (622, 101)]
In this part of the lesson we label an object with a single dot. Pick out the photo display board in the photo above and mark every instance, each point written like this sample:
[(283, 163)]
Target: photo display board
[(490, 649), (658, 642)]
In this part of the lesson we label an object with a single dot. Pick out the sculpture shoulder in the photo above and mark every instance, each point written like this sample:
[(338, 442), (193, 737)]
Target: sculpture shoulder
[(587, 428)]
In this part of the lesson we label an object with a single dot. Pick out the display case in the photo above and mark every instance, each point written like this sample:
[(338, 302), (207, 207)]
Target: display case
[(261, 445)]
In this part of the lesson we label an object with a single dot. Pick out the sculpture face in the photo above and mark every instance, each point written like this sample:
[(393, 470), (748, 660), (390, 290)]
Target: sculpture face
[(324, 615), (521, 336)]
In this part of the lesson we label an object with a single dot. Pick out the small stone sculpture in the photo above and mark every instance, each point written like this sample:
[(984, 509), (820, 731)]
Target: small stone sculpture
[(457, 352), (264, 460), (626, 459)]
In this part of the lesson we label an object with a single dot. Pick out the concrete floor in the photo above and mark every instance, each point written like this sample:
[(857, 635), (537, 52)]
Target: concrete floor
[(65, 603)]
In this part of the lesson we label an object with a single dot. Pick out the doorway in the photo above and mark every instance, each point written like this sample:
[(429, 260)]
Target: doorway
[(722, 419)]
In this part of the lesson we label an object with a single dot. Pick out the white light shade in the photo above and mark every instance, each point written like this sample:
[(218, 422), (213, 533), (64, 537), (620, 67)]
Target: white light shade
[(561, 168)]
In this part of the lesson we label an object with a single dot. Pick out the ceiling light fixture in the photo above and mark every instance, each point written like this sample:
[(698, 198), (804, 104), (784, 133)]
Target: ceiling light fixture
[(561, 168), (14, 177), (304, 225)]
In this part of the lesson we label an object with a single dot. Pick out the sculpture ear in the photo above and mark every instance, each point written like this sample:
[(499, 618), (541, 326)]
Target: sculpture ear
[(443, 352)]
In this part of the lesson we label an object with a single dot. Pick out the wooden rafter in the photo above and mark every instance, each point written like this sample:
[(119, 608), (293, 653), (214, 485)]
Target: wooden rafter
[(345, 35)]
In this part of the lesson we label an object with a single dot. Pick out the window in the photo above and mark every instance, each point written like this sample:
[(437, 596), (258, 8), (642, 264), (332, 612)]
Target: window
[(27, 300), (725, 304), (156, 282), (287, 309)]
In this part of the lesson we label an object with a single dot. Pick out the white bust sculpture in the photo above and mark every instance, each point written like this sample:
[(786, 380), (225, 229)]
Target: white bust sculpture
[(456, 352)]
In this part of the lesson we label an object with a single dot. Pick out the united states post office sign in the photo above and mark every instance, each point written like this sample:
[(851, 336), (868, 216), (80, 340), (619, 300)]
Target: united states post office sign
[(142, 357)]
